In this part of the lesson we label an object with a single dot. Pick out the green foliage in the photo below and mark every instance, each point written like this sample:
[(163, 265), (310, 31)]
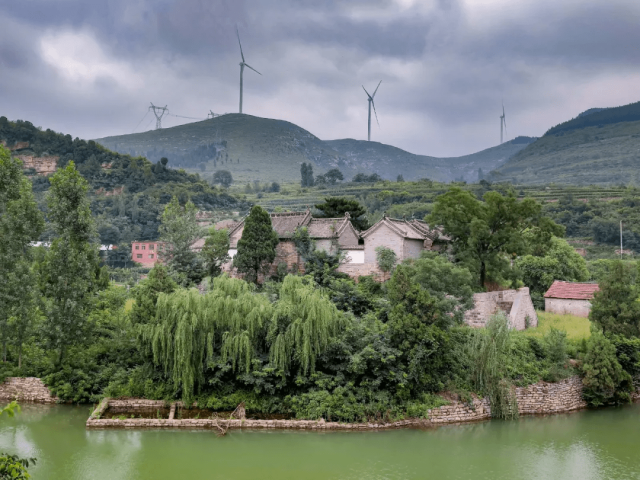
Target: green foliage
[(216, 251), (489, 353), (302, 325), (386, 258), (604, 379), (222, 177), (189, 324), (485, 232), (257, 247), (333, 176), (68, 272), (615, 308), (179, 231), (560, 262), (306, 173), (20, 223), (145, 294), (336, 207)]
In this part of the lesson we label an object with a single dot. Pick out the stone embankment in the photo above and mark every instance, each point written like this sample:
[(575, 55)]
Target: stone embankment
[(540, 398), (29, 389)]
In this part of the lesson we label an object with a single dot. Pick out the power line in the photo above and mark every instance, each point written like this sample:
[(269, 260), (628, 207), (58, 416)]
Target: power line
[(145, 115)]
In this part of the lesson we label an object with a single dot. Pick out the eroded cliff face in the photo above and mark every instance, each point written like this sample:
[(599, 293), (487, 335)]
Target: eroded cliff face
[(45, 165), (42, 165)]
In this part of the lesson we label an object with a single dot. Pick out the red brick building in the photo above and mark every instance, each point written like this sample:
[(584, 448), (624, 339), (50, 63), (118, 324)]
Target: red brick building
[(146, 253)]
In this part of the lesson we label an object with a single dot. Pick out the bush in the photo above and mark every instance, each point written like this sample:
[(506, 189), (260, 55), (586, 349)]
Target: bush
[(604, 380)]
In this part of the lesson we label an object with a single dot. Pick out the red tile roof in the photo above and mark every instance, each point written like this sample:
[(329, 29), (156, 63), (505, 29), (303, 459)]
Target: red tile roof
[(574, 291)]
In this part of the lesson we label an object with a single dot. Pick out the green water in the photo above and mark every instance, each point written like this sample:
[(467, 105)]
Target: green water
[(603, 444)]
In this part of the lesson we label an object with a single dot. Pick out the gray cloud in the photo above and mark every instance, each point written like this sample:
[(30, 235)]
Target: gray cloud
[(90, 68)]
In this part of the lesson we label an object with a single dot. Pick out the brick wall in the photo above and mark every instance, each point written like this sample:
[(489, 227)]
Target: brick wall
[(580, 308), (385, 237)]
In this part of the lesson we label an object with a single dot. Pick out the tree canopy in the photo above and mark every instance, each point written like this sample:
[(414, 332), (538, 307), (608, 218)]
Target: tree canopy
[(485, 234), (257, 247), (335, 207)]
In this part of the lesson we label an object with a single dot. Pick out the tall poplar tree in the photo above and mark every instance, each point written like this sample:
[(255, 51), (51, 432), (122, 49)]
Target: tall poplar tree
[(20, 223), (257, 247), (68, 272)]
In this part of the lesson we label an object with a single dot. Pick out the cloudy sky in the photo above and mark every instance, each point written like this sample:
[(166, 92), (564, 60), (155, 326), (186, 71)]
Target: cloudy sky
[(90, 68)]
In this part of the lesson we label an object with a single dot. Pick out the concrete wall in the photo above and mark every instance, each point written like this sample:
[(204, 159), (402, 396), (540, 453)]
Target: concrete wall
[(324, 245), (348, 237), (579, 308), (515, 303), (385, 237)]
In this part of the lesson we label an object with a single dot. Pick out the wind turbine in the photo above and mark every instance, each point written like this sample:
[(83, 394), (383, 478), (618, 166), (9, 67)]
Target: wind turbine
[(242, 65), (503, 123), (374, 107)]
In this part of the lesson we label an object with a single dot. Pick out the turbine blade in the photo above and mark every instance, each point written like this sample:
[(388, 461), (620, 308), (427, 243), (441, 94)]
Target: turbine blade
[(365, 91), (374, 111), (238, 35), (374, 92), (249, 66)]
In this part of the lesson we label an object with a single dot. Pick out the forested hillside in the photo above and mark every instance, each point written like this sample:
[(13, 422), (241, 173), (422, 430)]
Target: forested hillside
[(128, 193)]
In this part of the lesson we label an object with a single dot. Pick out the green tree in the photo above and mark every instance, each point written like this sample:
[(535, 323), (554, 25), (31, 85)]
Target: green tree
[(560, 262), (20, 223), (68, 272), (222, 177), (333, 176), (257, 247), (604, 379), (179, 230), (615, 308), (386, 258), (164, 161), (145, 294), (306, 174), (334, 207), (216, 251), (485, 233)]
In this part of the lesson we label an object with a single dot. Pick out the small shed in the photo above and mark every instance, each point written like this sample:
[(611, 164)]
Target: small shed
[(570, 298)]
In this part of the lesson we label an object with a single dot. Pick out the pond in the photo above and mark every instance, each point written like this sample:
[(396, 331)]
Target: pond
[(585, 445)]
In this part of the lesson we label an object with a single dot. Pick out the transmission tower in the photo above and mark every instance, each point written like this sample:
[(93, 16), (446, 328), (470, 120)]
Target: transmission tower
[(162, 111)]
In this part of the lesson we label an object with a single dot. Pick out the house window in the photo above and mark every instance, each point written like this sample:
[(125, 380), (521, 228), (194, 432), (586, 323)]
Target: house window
[(151, 255), (150, 247), (139, 255), (143, 247), (137, 247)]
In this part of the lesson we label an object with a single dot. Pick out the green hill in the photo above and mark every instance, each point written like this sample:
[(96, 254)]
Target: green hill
[(128, 193), (268, 150), (593, 155)]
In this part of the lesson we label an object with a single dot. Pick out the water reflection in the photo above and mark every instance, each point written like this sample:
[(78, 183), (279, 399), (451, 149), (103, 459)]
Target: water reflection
[(589, 445)]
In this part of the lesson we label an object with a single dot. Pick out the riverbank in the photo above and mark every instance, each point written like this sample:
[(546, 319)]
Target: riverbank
[(538, 399)]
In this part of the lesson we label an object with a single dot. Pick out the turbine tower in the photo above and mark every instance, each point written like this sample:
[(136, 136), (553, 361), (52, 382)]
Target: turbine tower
[(162, 110), (242, 65), (503, 124), (370, 99)]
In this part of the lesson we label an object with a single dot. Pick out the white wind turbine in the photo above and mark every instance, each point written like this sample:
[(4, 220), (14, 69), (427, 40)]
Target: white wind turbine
[(374, 107), (503, 123), (242, 65)]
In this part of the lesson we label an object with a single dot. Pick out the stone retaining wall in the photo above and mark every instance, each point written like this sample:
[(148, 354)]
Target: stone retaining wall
[(540, 398), (29, 389)]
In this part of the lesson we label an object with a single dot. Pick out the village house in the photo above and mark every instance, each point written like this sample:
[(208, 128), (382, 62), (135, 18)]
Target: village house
[(570, 298), (330, 234), (146, 253)]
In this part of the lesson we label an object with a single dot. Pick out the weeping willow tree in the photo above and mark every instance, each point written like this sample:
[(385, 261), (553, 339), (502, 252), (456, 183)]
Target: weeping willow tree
[(189, 326), (489, 352), (301, 326)]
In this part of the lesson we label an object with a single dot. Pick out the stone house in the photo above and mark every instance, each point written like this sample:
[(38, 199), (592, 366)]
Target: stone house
[(570, 298), (330, 234), (516, 304)]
